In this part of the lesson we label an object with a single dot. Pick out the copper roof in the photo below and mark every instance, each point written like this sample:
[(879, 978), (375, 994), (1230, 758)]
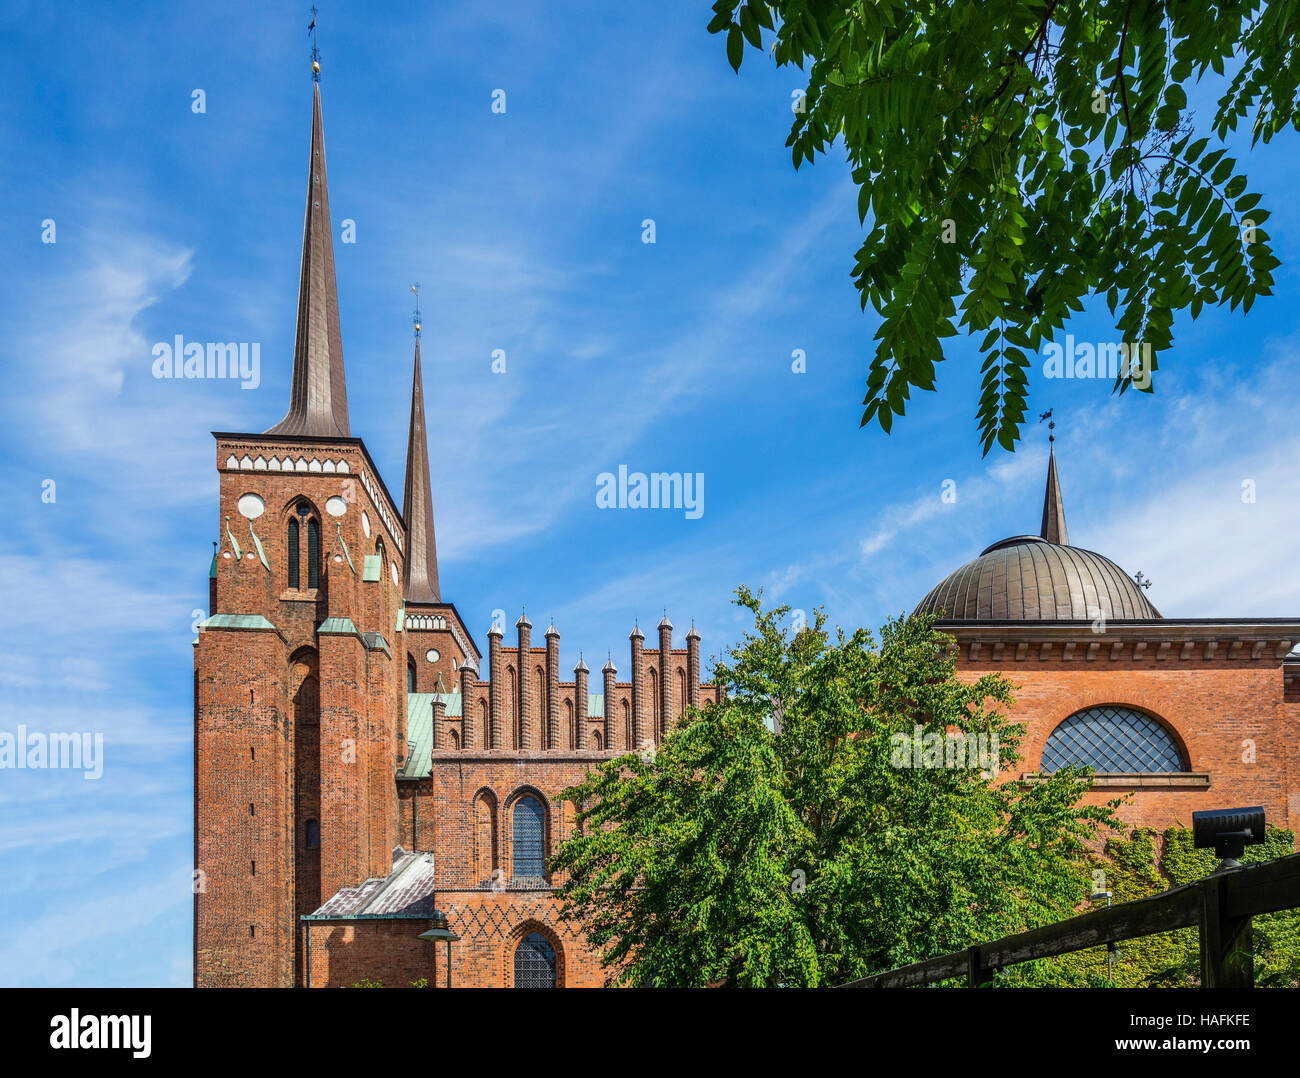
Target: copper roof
[(1029, 579), (318, 397), (1039, 578), (420, 570)]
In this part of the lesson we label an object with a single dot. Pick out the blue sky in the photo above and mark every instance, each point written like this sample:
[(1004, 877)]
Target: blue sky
[(524, 230)]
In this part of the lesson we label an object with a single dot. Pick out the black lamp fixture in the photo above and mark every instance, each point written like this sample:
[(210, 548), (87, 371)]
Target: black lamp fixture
[(1228, 832)]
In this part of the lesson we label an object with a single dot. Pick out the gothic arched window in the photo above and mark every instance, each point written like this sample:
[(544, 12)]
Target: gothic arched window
[(293, 552), (410, 674), (534, 962), (528, 839), (1113, 739), (313, 554)]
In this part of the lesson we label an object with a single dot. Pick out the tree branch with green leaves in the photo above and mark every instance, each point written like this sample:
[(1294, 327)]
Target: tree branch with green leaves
[(1015, 159)]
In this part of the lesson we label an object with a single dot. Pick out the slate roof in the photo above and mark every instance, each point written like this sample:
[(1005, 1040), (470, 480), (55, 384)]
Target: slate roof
[(406, 891)]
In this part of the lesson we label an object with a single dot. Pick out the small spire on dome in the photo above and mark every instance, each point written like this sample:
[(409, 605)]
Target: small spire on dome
[(1053, 529)]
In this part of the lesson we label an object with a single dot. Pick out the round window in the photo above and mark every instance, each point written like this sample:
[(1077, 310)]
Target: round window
[(432, 655)]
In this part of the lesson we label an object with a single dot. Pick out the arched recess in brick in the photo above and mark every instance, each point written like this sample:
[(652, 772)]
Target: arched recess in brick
[(485, 836), (304, 683), (517, 937), (597, 742), (483, 732), (541, 707), (655, 725), (627, 725), (512, 708), (679, 698), (569, 725)]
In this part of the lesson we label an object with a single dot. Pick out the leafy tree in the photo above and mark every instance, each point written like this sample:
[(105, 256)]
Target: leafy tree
[(773, 838), (1018, 157)]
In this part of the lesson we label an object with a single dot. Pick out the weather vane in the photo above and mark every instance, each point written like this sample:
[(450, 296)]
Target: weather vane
[(315, 52), (416, 289), (1051, 427)]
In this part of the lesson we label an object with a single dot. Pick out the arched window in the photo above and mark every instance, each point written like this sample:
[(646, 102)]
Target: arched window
[(596, 740), (293, 552), (453, 739), (1112, 739), (313, 553), (528, 839), (311, 834), (534, 962), (410, 674)]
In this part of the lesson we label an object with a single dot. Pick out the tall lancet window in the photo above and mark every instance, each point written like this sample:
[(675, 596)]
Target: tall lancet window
[(293, 552), (313, 554)]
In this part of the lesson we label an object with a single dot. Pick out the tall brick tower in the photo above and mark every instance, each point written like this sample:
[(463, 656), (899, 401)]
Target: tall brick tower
[(294, 794)]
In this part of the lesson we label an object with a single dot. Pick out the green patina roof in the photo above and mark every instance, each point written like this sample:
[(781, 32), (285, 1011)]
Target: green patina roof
[(374, 563), (341, 626), (595, 705), (237, 621), (212, 569), (376, 642), (419, 729)]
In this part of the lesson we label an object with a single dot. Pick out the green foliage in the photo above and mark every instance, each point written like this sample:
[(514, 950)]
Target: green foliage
[(738, 855), (1134, 870), (1016, 158), (366, 982)]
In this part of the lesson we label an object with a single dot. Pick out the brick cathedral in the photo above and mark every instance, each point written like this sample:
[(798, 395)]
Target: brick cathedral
[(359, 762)]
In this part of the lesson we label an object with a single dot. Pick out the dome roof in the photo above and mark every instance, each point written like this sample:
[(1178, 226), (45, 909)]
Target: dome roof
[(1039, 578), (1026, 578)]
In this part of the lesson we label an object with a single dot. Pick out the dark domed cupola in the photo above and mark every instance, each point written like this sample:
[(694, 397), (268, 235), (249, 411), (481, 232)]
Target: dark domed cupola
[(1039, 578)]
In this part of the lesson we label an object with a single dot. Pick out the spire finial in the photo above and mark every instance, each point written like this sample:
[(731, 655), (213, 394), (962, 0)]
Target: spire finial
[(1053, 529), (315, 52), (318, 395), (420, 569), (416, 289)]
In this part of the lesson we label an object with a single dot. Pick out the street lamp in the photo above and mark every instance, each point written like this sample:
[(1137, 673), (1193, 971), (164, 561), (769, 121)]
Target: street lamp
[(440, 931), (1111, 947)]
